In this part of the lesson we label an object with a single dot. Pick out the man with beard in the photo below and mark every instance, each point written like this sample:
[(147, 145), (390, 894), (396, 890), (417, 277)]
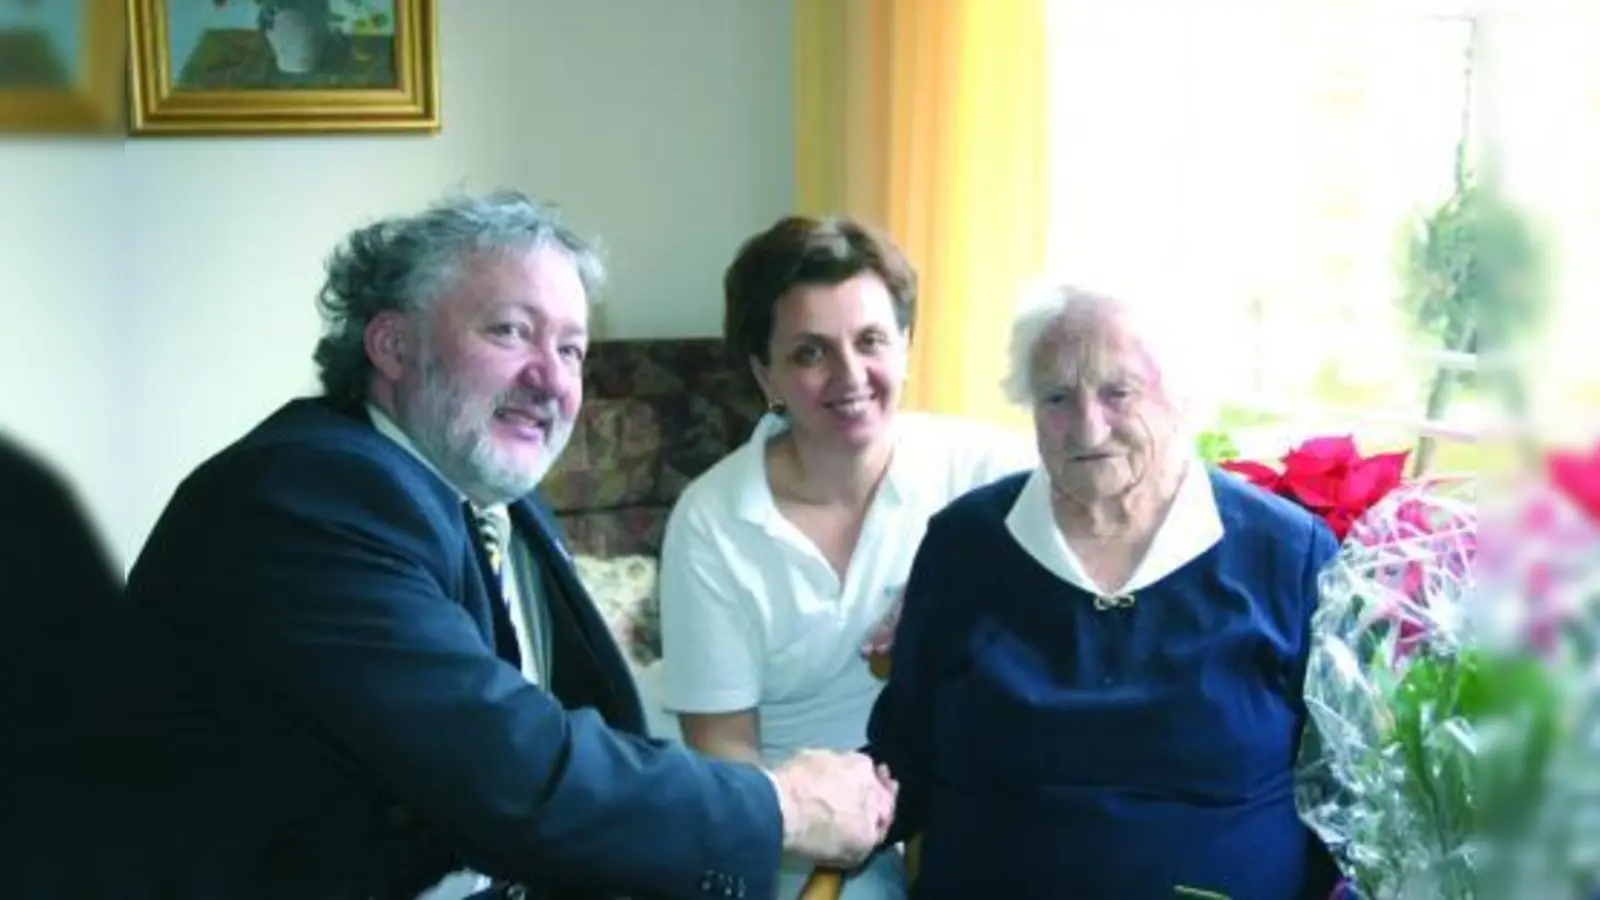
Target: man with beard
[(372, 661)]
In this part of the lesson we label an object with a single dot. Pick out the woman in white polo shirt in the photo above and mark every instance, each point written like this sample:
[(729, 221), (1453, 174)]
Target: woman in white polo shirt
[(779, 562)]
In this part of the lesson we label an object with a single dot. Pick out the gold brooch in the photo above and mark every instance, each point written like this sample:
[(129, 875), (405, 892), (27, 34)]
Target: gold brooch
[(1120, 601)]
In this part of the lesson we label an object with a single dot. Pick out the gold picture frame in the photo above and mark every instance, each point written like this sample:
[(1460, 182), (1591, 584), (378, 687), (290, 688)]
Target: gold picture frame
[(234, 67), (62, 68)]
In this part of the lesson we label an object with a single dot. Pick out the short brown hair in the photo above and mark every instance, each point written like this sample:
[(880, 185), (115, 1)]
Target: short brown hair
[(801, 251)]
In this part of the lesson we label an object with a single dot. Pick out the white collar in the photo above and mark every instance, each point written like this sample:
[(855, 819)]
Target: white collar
[(756, 503), (1192, 526), (387, 427)]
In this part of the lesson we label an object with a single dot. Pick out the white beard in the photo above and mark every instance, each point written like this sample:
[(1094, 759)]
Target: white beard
[(452, 431)]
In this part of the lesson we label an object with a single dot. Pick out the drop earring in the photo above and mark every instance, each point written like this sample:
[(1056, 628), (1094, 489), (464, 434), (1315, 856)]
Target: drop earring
[(777, 407)]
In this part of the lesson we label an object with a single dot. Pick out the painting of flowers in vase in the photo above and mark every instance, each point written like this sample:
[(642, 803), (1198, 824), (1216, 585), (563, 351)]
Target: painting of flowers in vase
[(274, 66), (278, 44)]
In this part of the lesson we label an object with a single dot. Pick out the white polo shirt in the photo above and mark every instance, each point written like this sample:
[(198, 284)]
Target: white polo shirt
[(752, 614)]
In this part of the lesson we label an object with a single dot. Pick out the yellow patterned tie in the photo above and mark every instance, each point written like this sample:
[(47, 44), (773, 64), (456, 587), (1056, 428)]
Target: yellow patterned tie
[(487, 530)]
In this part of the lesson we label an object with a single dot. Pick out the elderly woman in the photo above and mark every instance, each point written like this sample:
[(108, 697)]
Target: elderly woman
[(780, 560), (1096, 682)]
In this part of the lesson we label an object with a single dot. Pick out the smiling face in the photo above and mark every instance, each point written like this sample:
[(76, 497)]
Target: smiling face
[(490, 379), (837, 361), (1101, 412)]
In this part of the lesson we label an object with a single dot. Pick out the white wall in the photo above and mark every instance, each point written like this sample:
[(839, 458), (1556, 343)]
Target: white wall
[(156, 294)]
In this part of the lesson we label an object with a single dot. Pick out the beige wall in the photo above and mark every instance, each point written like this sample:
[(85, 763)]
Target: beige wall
[(156, 295)]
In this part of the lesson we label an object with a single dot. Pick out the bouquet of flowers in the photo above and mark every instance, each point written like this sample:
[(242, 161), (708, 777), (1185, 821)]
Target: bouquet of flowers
[(1392, 681), (1538, 611), (1449, 685)]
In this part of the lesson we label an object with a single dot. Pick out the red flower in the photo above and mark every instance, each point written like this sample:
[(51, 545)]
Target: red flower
[(1339, 521), (1264, 477), (1413, 633), (1370, 480), (1329, 477), (1578, 476), (1313, 471)]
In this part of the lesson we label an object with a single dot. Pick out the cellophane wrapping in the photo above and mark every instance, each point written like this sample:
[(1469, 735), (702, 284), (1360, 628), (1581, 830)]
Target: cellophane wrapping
[(1452, 744)]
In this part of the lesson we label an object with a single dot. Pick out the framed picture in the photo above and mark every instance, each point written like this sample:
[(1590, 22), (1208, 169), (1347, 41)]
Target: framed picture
[(61, 66), (283, 66)]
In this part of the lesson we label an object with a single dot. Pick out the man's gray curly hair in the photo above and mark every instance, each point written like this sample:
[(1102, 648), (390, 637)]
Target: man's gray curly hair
[(405, 263)]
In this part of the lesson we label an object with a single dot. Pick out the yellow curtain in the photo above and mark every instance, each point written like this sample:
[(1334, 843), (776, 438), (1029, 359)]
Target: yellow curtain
[(929, 118)]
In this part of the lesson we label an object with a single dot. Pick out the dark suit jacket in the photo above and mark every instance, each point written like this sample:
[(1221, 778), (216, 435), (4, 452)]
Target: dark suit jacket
[(55, 570), (328, 703), (57, 585), (56, 581)]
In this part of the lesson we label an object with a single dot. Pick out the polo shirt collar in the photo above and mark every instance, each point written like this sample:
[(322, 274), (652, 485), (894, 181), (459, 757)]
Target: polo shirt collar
[(756, 504)]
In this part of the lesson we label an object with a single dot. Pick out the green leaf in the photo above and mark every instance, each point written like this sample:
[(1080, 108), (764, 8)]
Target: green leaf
[(1216, 446), (1473, 270)]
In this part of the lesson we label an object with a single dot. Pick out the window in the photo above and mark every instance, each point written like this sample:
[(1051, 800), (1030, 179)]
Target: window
[(1256, 164)]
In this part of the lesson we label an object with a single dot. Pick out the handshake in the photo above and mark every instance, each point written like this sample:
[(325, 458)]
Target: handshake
[(837, 807)]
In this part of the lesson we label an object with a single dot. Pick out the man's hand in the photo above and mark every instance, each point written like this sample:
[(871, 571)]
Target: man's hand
[(837, 807)]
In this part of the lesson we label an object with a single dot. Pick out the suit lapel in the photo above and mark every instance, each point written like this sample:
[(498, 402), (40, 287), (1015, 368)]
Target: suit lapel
[(479, 591), (587, 667), (492, 616)]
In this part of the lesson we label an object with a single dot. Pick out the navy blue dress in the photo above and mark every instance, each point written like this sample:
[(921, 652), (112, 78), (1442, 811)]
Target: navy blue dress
[(1049, 749)]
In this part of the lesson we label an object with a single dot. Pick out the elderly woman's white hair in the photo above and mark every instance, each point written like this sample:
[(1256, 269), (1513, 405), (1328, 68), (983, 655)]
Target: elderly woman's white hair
[(1167, 336)]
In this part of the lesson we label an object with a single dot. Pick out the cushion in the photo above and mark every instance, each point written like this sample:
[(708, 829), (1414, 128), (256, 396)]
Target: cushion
[(624, 590)]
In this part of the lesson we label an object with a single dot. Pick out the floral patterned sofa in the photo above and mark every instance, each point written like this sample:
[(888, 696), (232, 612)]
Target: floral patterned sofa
[(656, 413)]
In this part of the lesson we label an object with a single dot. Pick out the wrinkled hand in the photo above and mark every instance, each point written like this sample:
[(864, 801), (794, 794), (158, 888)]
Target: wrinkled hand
[(837, 807), (881, 638)]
